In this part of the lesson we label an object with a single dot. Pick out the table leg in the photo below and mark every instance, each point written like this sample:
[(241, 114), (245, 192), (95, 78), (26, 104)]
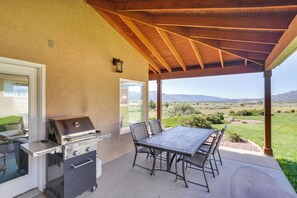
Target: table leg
[(174, 155), (184, 172), (168, 161), (154, 163)]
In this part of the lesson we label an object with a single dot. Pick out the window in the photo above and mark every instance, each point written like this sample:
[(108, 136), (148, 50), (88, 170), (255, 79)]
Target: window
[(132, 107)]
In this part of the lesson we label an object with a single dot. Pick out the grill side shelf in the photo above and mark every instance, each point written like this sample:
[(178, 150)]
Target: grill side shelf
[(41, 147)]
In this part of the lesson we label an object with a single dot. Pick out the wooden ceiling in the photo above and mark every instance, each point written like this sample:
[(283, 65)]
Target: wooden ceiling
[(190, 38)]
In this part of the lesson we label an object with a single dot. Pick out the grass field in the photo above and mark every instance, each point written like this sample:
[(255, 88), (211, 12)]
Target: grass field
[(284, 139)]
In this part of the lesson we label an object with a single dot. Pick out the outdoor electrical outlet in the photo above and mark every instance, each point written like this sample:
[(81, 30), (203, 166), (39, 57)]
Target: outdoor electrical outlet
[(51, 43)]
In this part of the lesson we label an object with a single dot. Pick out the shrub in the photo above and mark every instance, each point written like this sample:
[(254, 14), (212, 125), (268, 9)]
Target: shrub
[(278, 111), (171, 122), (217, 118), (245, 112), (182, 109), (152, 104), (166, 104), (232, 113), (195, 121), (233, 137), (292, 111)]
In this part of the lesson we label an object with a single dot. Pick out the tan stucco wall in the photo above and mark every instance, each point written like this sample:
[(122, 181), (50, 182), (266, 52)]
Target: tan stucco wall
[(80, 80)]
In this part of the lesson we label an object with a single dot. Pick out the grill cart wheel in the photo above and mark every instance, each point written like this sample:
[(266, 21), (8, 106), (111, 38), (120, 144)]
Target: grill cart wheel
[(93, 189)]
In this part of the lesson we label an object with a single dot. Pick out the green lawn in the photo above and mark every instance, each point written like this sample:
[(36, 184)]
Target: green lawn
[(284, 139)]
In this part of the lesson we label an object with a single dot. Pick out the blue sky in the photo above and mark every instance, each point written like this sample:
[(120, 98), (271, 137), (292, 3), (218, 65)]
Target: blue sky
[(284, 79)]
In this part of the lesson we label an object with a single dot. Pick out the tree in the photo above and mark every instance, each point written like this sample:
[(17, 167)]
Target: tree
[(152, 104), (166, 104)]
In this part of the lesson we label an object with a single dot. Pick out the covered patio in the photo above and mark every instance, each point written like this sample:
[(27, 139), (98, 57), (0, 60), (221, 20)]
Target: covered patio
[(243, 174), (170, 39)]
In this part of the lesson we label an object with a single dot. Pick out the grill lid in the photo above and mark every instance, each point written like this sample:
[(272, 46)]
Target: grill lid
[(62, 130)]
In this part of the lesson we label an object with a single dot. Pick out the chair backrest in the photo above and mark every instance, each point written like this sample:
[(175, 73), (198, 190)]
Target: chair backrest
[(139, 131), (212, 146), (220, 138), (155, 126)]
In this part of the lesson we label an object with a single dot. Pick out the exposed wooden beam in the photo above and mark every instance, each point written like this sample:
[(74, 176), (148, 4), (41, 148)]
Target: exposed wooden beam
[(235, 69), (153, 5), (152, 68), (197, 54), (287, 45), (251, 55), (121, 32), (146, 42), (234, 35), (169, 44), (245, 62), (148, 19), (255, 23), (252, 47), (221, 58)]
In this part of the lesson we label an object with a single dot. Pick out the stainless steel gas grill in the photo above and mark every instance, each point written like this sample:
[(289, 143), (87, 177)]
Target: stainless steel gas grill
[(71, 156)]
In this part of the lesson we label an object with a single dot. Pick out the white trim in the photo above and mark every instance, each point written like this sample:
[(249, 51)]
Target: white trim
[(127, 129), (41, 112)]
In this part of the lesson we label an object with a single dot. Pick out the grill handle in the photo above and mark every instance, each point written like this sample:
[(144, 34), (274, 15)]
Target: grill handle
[(82, 164), (68, 139)]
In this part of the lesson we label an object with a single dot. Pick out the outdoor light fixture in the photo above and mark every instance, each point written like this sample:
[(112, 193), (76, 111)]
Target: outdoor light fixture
[(118, 64)]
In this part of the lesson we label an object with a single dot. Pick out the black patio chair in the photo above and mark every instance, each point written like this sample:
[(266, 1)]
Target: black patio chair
[(155, 127), (199, 161), (139, 132), (205, 147)]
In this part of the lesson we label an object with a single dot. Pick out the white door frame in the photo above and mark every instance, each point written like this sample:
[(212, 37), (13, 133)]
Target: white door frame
[(40, 117)]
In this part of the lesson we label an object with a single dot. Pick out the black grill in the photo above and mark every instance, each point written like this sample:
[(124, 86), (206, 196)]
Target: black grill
[(73, 171)]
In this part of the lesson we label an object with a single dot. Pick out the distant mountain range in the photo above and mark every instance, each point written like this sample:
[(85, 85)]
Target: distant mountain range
[(285, 97)]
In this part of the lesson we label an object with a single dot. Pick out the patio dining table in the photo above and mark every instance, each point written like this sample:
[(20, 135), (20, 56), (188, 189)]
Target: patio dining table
[(183, 141)]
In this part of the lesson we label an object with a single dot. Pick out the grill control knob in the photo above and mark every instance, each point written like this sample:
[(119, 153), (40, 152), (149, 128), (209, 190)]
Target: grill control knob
[(88, 149), (76, 153)]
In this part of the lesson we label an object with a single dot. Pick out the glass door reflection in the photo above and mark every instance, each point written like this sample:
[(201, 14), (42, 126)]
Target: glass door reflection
[(14, 100)]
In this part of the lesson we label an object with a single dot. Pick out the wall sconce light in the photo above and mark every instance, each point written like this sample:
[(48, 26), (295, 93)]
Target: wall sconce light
[(118, 65)]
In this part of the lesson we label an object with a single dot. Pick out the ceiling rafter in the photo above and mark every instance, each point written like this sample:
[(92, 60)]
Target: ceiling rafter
[(197, 54), (169, 44), (273, 23), (252, 47), (221, 58), (148, 20), (118, 29), (154, 5), (251, 55), (240, 36), (152, 69), (228, 69), (146, 42), (236, 52)]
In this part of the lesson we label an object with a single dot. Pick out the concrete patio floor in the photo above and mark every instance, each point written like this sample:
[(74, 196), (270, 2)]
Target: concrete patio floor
[(243, 174)]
